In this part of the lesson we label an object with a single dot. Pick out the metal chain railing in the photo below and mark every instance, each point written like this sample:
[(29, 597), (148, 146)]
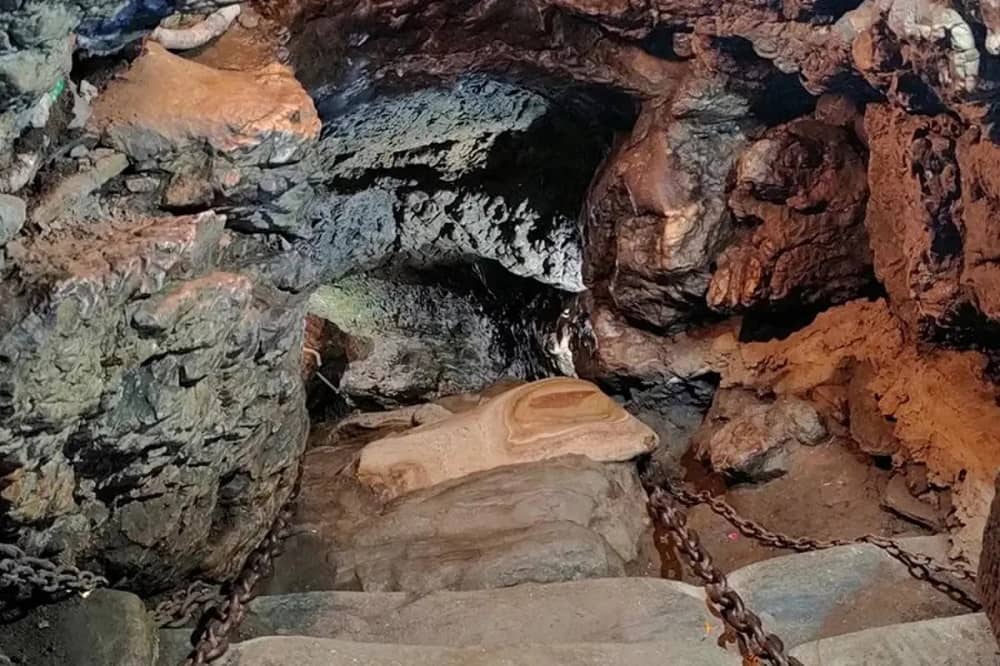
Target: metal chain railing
[(19, 571), (920, 566), (212, 637), (752, 640), (221, 611)]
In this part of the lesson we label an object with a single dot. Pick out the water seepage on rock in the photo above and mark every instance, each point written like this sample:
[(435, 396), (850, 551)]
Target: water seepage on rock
[(746, 437), (610, 610), (964, 640), (329, 652), (548, 521), (544, 419), (108, 627), (809, 596), (150, 401)]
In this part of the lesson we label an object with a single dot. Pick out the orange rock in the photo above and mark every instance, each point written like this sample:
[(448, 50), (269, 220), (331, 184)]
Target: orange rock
[(537, 421), (165, 104)]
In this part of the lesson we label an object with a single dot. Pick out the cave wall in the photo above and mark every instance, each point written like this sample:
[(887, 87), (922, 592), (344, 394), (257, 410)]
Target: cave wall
[(769, 159)]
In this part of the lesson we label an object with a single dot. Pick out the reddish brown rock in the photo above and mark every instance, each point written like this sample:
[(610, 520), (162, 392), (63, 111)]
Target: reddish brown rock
[(165, 105), (748, 438), (800, 195), (935, 196), (656, 215), (940, 405)]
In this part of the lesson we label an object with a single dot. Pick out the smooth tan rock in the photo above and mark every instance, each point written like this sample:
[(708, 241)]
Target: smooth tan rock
[(541, 420), (166, 103)]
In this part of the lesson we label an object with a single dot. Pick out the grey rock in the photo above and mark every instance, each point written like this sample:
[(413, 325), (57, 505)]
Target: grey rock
[(151, 410), (746, 437), (12, 214), (964, 640), (897, 498), (452, 174), (620, 610), (409, 341), (547, 552), (108, 627), (329, 652), (810, 596), (71, 191), (545, 522)]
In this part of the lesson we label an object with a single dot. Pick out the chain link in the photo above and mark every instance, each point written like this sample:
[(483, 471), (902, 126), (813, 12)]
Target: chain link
[(211, 638), (754, 643), (919, 565), (185, 604), (21, 571)]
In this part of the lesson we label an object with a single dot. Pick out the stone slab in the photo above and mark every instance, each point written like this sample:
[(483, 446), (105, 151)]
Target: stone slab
[(303, 651), (617, 610), (808, 596), (964, 640)]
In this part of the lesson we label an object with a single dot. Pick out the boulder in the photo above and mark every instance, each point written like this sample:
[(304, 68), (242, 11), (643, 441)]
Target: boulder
[(809, 596), (799, 201), (548, 521), (108, 627), (540, 420), (746, 437), (252, 118), (12, 215), (151, 412)]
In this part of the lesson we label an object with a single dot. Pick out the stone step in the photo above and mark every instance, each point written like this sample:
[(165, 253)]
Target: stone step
[(613, 610), (808, 596), (544, 522), (310, 651), (964, 640)]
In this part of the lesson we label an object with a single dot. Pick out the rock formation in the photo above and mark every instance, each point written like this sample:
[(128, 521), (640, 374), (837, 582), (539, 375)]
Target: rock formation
[(488, 189), (546, 419)]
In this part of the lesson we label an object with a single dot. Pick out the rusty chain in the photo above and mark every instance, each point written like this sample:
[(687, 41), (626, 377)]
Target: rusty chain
[(924, 564), (211, 637), (222, 611), (20, 571), (754, 643), (185, 604)]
